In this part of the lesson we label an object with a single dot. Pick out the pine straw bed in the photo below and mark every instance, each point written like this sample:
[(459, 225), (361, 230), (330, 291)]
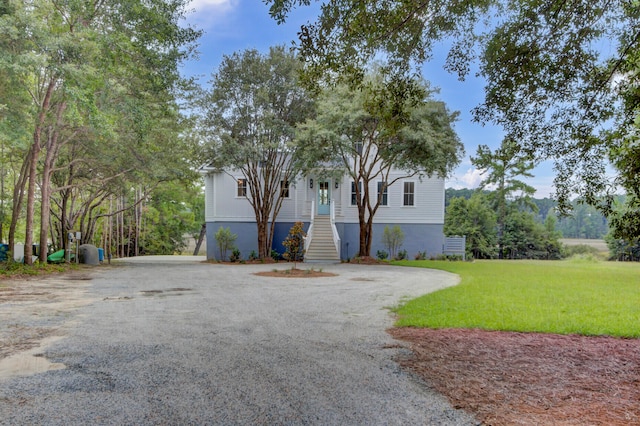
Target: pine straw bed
[(509, 378)]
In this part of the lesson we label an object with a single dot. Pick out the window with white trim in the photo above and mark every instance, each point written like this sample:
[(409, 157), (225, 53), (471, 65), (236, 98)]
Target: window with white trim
[(354, 195), (358, 147), (242, 188), (284, 188), (384, 199), (408, 195)]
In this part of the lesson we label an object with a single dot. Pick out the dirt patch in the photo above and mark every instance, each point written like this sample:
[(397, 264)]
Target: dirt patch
[(265, 261), (33, 313), (368, 260), (31, 361), (529, 378), (295, 273)]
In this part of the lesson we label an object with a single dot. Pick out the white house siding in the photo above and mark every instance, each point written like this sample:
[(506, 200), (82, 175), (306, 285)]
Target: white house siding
[(422, 223), (223, 208), (428, 205), (226, 205)]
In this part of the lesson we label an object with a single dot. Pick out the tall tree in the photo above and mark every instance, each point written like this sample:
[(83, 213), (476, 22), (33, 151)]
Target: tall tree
[(503, 170), (378, 133), (562, 76), (476, 220), (63, 56), (252, 109)]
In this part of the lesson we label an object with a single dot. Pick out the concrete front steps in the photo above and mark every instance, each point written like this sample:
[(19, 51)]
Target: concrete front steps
[(322, 248)]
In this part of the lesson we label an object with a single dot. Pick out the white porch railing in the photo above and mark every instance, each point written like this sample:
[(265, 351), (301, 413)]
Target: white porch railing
[(336, 237), (307, 239)]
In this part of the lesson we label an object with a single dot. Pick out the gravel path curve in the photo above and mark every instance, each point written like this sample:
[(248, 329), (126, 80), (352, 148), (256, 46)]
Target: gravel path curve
[(195, 343)]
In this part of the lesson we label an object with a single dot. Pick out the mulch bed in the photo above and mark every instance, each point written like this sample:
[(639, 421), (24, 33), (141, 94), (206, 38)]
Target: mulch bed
[(507, 378), (295, 273)]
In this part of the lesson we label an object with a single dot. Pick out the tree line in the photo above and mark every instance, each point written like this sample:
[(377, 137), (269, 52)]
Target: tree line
[(91, 133), (585, 221), (91, 123)]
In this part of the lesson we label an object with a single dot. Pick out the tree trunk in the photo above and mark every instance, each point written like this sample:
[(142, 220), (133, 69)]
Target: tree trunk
[(33, 169), (18, 199), (362, 251), (45, 195), (203, 232), (138, 214), (369, 236), (45, 206), (31, 199), (64, 221), (263, 251)]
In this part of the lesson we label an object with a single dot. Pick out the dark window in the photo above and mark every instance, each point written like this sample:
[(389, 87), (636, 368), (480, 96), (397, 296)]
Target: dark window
[(242, 188), (408, 193), (383, 202), (284, 188), (353, 192)]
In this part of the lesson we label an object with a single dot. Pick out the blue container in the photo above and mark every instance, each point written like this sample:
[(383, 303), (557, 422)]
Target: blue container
[(100, 254), (4, 252)]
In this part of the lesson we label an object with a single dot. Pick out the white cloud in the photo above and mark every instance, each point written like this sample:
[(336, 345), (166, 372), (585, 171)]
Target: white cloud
[(470, 179), (473, 177), (218, 5), (207, 13)]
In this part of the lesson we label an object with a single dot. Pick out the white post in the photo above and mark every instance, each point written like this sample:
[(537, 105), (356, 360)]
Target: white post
[(334, 230), (307, 239)]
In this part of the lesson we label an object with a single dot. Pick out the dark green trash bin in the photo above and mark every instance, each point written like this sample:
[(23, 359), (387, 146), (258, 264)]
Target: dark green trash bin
[(4, 252)]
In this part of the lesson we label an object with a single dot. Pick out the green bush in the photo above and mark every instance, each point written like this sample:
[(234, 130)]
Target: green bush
[(382, 255), (392, 238), (275, 255), (294, 243), (449, 257), (402, 254), (235, 255), (253, 255), (225, 239), (421, 255)]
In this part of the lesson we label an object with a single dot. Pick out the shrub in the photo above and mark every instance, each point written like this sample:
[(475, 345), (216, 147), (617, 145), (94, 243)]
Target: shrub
[(450, 257), (294, 243), (275, 255), (225, 239), (382, 255), (402, 254), (235, 255), (253, 255), (421, 255), (392, 238)]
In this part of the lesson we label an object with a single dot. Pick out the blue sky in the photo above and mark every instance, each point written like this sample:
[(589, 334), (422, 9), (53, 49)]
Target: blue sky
[(236, 25)]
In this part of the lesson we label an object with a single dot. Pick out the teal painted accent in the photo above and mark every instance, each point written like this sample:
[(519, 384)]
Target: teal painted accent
[(323, 198)]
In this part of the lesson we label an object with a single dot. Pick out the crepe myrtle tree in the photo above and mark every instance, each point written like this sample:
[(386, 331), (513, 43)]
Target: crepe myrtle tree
[(252, 108), (376, 129)]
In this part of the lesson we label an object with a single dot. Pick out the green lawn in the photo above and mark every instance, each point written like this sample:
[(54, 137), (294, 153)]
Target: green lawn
[(566, 297)]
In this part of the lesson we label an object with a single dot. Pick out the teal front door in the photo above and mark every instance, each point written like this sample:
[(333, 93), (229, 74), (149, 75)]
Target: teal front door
[(323, 197)]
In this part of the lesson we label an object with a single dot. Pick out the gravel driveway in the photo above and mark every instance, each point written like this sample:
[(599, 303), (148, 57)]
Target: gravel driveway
[(186, 343)]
